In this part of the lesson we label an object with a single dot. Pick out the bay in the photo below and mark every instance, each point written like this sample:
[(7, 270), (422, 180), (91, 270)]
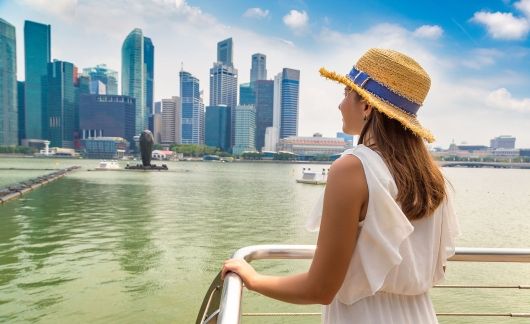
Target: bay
[(134, 247)]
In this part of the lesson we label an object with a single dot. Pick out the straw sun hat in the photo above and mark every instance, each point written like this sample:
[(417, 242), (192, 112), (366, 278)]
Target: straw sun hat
[(391, 82)]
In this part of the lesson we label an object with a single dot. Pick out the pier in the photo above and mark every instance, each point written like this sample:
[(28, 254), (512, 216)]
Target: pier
[(18, 189), (496, 165)]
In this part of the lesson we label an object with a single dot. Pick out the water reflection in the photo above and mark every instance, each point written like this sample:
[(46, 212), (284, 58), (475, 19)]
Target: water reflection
[(143, 247)]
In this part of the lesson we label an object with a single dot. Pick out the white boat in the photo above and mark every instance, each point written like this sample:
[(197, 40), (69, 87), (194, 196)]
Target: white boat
[(108, 165), (314, 177)]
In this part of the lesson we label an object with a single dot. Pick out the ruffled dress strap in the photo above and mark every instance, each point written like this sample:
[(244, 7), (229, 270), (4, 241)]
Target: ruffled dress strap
[(384, 229)]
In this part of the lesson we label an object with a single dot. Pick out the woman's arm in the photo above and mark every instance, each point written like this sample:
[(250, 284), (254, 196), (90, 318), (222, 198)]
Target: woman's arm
[(345, 197)]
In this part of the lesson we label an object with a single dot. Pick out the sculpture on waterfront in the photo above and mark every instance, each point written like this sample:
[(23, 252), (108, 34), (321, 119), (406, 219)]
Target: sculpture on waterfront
[(146, 150), (146, 147)]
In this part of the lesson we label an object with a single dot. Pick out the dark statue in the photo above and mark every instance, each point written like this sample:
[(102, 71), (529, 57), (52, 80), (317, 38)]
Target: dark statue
[(146, 147)]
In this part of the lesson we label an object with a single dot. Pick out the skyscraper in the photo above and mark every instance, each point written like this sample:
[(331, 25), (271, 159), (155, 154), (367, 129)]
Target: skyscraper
[(217, 127), (245, 129), (258, 70), (8, 85), (289, 102), (277, 106), (224, 52), (170, 128), (223, 85), (21, 111), (149, 60), (223, 79), (192, 110), (61, 104), (264, 92), (133, 79), (37, 54), (104, 75), (246, 94)]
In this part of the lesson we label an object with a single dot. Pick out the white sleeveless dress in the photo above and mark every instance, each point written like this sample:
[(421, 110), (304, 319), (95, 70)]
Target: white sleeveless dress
[(395, 261)]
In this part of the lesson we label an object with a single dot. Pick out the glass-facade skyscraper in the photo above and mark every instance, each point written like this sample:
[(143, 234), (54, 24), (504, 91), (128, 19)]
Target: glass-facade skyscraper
[(258, 71), (61, 104), (218, 127), (192, 110), (37, 55), (246, 94), (149, 60), (245, 129), (223, 79), (21, 110), (133, 76), (104, 75), (225, 52), (8, 85), (290, 87), (264, 92)]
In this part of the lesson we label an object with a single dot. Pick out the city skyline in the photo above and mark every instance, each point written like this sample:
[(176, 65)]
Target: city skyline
[(477, 93)]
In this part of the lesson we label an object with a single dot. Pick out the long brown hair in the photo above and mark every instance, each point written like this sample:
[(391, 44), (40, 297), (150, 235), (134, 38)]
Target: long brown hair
[(419, 180)]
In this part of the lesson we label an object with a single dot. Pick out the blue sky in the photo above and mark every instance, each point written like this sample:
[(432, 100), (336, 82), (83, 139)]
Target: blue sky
[(477, 52)]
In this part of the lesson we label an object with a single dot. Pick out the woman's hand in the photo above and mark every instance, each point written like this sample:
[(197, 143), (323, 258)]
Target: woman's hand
[(245, 271)]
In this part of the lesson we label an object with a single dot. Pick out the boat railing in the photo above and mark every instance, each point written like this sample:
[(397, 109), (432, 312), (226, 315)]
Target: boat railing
[(222, 302)]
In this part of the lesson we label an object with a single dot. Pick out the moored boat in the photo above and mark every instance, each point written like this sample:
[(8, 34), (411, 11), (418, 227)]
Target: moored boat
[(313, 177), (108, 165)]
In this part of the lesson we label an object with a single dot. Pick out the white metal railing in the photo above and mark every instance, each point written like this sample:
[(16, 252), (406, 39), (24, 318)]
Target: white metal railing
[(229, 311)]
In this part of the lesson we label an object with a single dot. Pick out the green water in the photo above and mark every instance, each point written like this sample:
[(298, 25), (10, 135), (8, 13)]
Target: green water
[(143, 247)]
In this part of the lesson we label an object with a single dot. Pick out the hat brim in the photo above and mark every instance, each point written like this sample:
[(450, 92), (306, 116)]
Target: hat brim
[(408, 121)]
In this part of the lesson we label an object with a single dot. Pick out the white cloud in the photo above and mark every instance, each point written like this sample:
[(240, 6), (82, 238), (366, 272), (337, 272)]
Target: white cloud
[(429, 32), (297, 21), (524, 7), (502, 99), (257, 13), (502, 25), (62, 8), (481, 57), (182, 33)]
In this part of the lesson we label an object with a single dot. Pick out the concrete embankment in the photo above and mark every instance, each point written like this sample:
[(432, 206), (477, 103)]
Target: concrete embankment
[(20, 188)]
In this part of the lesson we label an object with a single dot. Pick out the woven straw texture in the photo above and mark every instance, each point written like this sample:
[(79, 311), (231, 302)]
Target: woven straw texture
[(399, 73)]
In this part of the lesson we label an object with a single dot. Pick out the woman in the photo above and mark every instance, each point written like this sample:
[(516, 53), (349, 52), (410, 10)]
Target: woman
[(387, 225)]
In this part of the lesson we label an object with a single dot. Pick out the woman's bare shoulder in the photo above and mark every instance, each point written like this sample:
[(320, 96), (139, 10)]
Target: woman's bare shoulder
[(347, 172)]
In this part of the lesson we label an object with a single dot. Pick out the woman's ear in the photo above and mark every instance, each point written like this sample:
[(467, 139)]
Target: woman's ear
[(367, 108)]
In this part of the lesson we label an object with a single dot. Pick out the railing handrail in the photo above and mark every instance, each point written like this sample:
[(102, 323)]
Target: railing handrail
[(230, 305)]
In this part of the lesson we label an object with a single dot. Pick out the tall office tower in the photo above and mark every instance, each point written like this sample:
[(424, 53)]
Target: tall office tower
[(246, 94), (8, 85), (192, 110), (245, 129), (264, 93), (158, 107), (277, 105), (223, 79), (157, 122), (170, 128), (290, 88), (133, 79), (217, 127), (149, 60), (37, 54), (224, 52), (104, 75), (61, 104), (258, 71), (21, 111)]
